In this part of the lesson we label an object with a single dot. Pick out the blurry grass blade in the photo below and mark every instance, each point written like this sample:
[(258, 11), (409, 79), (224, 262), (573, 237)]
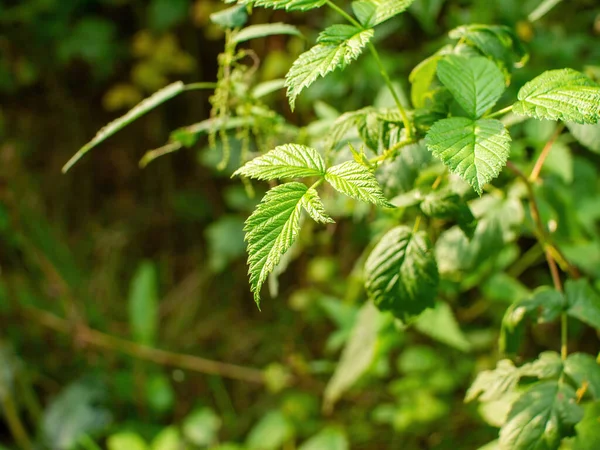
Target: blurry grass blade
[(267, 87), (543, 8), (143, 304), (142, 108), (151, 155), (263, 30)]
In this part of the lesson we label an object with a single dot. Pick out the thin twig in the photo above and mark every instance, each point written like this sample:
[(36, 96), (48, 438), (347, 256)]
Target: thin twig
[(537, 168), (98, 339)]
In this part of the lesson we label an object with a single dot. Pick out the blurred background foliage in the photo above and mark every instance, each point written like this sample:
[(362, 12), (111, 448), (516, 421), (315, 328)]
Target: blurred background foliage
[(116, 283)]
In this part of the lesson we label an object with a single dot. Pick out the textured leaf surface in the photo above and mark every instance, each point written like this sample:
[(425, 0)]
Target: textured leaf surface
[(584, 370), (289, 5), (447, 205), (356, 181), (540, 417), (476, 150), (263, 30), (332, 52), (493, 384), (271, 230), (401, 273), (312, 204), (137, 111), (285, 161), (563, 94), (373, 12), (476, 83)]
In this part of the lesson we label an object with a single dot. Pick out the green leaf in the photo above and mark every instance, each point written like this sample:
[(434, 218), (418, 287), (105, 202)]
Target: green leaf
[(373, 12), (421, 78), (440, 324), (587, 135), (338, 46), (584, 370), (491, 385), (126, 440), (168, 439), (563, 94), (143, 304), (201, 427), (285, 161), (476, 150), (588, 429), (448, 205), (401, 273), (159, 393), (358, 354), (541, 417), (273, 227), (288, 5), (549, 365), (583, 302), (271, 433), (312, 204), (356, 181), (476, 83), (263, 30), (233, 17), (139, 110), (330, 438)]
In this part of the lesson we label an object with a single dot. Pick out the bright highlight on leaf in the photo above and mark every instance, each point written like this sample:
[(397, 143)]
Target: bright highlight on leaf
[(337, 47), (563, 94), (476, 150), (476, 83), (401, 273), (263, 30), (284, 162), (288, 5), (356, 181), (273, 227), (373, 12)]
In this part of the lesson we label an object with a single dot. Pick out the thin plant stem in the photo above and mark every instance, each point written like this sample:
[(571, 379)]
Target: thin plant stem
[(382, 71), (89, 336), (537, 168), (500, 112), (15, 425), (200, 86), (417, 224)]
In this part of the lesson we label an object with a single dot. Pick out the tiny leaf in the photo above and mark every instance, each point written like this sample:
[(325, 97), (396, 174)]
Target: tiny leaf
[(476, 150), (356, 181), (401, 273), (338, 46), (563, 94), (285, 161), (476, 83)]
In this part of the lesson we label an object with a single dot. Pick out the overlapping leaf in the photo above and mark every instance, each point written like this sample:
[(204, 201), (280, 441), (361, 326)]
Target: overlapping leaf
[(563, 94), (338, 46), (476, 83), (285, 161), (476, 150), (401, 273), (373, 12), (356, 181), (448, 205), (312, 204), (541, 417)]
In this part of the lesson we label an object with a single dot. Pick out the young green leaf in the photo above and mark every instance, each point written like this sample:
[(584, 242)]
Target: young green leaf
[(476, 150), (421, 78), (142, 108), (563, 94), (285, 161), (263, 30), (337, 47), (233, 17), (288, 5), (549, 365), (401, 273), (271, 230), (584, 370), (356, 181), (476, 83), (491, 385), (541, 417), (448, 205), (312, 204), (143, 304), (373, 12)]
